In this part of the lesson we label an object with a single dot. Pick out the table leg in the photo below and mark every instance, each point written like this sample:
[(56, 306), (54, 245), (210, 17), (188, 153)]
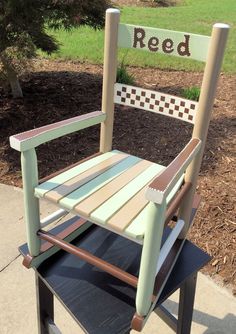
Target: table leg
[(45, 308), (186, 303)]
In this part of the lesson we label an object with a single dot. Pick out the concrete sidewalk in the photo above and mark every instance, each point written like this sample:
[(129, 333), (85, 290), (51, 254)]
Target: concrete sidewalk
[(215, 308)]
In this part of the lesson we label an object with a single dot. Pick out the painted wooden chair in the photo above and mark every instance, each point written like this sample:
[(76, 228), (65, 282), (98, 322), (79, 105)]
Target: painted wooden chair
[(123, 193)]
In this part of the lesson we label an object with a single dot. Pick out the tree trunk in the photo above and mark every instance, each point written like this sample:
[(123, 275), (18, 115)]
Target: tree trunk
[(12, 78), (15, 85)]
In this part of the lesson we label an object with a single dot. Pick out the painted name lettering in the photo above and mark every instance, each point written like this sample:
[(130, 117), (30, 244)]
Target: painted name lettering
[(154, 43)]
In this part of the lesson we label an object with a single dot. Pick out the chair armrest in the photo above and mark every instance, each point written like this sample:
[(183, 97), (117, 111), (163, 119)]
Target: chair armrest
[(164, 182), (33, 138)]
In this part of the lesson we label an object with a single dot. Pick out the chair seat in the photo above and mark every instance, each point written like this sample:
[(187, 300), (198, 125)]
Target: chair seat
[(109, 190)]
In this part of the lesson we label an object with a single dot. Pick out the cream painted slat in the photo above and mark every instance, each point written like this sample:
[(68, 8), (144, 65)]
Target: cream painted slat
[(121, 220), (77, 196), (137, 228), (66, 188), (54, 182), (105, 211), (157, 102), (169, 42), (93, 202)]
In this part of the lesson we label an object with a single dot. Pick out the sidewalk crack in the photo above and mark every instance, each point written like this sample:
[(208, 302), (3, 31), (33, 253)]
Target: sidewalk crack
[(1, 270)]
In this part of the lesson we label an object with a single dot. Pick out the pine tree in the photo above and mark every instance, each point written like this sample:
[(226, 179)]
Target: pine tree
[(24, 26)]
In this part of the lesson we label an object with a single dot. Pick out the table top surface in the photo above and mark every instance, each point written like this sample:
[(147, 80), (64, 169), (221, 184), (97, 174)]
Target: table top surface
[(99, 302)]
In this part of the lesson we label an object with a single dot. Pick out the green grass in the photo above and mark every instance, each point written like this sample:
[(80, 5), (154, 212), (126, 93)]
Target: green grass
[(123, 76), (191, 93), (196, 16)]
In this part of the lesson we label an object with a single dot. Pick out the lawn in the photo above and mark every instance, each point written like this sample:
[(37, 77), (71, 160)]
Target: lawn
[(85, 44)]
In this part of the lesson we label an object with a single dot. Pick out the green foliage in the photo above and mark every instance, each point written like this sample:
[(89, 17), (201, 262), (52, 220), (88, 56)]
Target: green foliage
[(191, 93), (123, 76), (165, 3), (25, 26)]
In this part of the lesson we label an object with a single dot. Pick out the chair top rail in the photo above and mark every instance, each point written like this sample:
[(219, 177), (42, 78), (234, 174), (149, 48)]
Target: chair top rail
[(157, 102), (175, 43)]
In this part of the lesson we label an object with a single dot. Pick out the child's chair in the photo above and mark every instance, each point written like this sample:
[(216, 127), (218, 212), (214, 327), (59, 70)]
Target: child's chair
[(130, 196)]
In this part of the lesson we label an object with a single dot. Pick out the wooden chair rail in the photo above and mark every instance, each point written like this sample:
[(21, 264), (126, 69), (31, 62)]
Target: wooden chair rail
[(91, 259), (163, 183), (156, 102), (138, 321), (69, 233), (30, 139), (172, 209)]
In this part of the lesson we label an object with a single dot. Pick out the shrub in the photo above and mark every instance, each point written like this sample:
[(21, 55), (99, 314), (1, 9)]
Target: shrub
[(165, 3), (123, 76), (191, 93), (23, 30)]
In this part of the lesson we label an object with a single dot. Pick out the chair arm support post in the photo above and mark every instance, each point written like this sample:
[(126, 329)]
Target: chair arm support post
[(149, 258), (109, 77), (31, 203), (203, 115), (30, 139), (159, 189), (175, 203)]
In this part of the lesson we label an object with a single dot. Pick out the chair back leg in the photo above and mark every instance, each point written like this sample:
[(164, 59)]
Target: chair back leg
[(203, 115), (109, 77)]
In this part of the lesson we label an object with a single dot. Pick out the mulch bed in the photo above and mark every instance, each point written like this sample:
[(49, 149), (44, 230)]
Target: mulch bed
[(144, 3), (59, 90)]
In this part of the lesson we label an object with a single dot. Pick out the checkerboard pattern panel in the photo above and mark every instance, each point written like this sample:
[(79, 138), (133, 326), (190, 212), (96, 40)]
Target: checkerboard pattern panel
[(157, 102)]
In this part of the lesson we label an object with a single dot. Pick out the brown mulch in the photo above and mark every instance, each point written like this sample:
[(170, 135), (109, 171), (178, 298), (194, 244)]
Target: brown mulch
[(136, 3), (59, 90), (144, 3)]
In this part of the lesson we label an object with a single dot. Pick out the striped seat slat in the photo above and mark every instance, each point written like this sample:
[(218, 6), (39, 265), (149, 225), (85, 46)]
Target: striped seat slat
[(121, 220), (157, 102), (113, 204), (136, 228), (56, 181), (90, 204), (77, 196), (67, 187)]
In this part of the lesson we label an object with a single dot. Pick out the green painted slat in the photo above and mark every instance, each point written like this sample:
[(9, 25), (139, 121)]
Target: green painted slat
[(137, 228), (41, 189), (193, 46), (105, 211), (77, 196)]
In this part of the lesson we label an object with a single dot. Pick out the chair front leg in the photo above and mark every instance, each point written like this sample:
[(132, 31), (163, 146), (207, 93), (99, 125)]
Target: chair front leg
[(149, 258), (31, 203)]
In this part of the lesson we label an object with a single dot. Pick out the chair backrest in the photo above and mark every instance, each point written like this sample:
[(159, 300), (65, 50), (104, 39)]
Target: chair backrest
[(180, 44), (167, 42)]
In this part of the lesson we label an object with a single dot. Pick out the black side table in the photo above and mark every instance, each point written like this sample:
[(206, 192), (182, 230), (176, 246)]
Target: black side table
[(101, 303)]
